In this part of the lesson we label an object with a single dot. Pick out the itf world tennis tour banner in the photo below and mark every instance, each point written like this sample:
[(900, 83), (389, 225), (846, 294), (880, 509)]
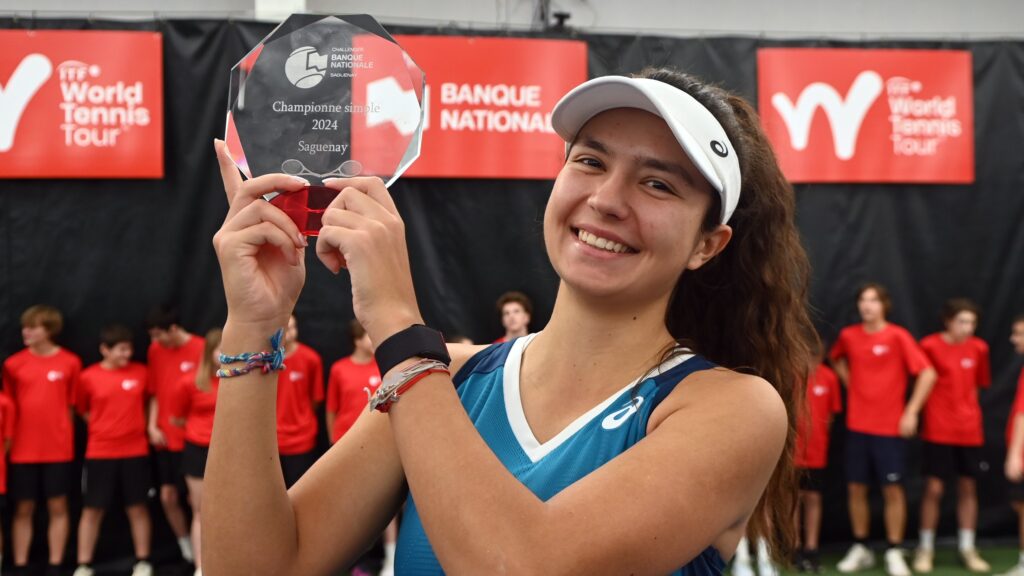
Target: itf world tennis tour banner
[(851, 115), (81, 104), (487, 104)]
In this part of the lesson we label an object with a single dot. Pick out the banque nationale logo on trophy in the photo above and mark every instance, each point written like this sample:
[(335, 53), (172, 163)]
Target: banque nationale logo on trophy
[(305, 67), (313, 132)]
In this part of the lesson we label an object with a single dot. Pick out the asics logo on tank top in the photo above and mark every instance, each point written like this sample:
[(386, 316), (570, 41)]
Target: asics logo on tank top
[(129, 384), (820, 390), (879, 349), (54, 375), (187, 366), (295, 376), (967, 363), (619, 417)]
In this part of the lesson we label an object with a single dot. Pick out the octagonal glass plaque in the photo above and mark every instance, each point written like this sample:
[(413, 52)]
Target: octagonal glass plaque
[(325, 97)]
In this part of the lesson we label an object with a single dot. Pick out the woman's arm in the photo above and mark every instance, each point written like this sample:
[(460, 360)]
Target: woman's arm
[(251, 525)]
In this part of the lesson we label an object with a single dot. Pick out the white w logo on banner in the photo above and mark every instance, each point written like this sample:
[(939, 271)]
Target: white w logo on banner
[(33, 71), (844, 116)]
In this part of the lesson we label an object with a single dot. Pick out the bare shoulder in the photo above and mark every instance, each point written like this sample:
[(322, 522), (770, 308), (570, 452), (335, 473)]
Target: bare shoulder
[(461, 353), (737, 401)]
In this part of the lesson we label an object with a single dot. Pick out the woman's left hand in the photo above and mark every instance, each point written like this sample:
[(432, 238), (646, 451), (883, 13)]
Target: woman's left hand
[(363, 232)]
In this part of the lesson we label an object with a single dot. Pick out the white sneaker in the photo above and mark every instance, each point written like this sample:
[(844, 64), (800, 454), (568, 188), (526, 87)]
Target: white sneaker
[(974, 562), (387, 571), (858, 558), (766, 568), (742, 568), (896, 564), (924, 561), (84, 571), (142, 568)]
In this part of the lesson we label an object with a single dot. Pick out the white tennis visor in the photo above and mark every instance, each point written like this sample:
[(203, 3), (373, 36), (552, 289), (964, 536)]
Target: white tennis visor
[(698, 132)]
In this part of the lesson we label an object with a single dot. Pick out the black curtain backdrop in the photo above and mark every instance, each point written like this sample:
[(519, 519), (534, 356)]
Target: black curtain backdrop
[(108, 250)]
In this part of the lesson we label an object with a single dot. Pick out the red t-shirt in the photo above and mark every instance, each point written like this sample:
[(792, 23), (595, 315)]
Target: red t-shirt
[(196, 408), (345, 395), (952, 414), (115, 401), (1018, 408), (299, 386), (7, 428), (166, 367), (823, 399), (879, 364), (43, 391)]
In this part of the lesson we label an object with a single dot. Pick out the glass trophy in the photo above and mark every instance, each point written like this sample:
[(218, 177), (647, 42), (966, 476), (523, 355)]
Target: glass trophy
[(324, 97)]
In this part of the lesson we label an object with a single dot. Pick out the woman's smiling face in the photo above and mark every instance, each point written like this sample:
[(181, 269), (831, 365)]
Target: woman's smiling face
[(625, 214)]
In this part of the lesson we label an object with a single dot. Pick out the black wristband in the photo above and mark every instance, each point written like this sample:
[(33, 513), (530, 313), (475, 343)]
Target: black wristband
[(417, 341)]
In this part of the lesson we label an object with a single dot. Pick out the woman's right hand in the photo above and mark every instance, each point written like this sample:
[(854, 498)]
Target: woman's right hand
[(260, 249)]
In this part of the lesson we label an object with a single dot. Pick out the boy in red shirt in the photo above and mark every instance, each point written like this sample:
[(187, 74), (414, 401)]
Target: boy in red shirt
[(112, 401), (346, 398), (300, 391), (952, 430), (41, 382), (823, 400), (173, 353), (1015, 447), (873, 359)]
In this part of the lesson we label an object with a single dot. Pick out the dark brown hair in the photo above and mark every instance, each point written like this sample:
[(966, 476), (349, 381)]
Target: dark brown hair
[(356, 330), (883, 295), (752, 313), (954, 306), (516, 297), (114, 334), (208, 364), (46, 316)]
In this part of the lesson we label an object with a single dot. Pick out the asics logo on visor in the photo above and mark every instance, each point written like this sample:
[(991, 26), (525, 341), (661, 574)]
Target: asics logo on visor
[(719, 148)]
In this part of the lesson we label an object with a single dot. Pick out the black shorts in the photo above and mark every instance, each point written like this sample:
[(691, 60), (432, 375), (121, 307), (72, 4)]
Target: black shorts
[(39, 480), (868, 456), (946, 461), (168, 467), (812, 479), (1016, 492), (295, 465), (193, 460), (103, 479)]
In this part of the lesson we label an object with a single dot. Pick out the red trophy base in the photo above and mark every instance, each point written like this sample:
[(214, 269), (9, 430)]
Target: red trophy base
[(306, 206)]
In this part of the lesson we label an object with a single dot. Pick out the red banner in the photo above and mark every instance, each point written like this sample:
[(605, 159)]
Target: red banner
[(488, 104), (81, 104), (846, 115)]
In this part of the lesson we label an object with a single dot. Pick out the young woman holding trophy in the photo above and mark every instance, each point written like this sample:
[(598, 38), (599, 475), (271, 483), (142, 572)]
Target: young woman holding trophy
[(614, 441)]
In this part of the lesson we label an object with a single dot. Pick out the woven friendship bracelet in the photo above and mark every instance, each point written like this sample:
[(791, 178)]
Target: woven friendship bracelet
[(265, 362)]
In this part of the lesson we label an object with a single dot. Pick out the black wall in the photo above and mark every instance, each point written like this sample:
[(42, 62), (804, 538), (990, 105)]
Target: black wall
[(108, 250)]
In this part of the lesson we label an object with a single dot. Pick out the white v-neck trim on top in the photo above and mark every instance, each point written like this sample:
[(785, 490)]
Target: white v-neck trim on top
[(517, 417)]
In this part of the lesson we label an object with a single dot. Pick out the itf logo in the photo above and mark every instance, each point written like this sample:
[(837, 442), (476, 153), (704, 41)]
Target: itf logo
[(305, 67), (30, 75)]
